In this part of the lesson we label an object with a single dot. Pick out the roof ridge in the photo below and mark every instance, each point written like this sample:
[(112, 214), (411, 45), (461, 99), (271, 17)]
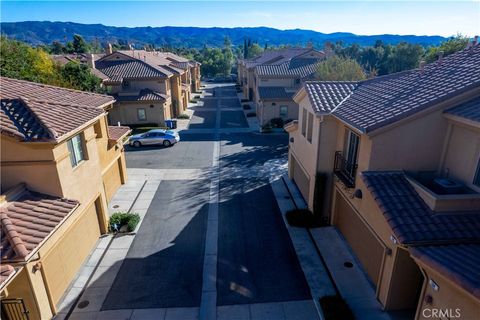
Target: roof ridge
[(13, 236)]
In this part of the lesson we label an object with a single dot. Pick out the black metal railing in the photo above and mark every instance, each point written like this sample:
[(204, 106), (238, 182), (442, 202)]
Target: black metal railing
[(345, 170), (14, 309)]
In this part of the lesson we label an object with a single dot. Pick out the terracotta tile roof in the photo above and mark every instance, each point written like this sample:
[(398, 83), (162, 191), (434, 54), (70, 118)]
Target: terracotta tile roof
[(459, 263), (411, 220), (144, 95), (469, 110), (297, 67), (384, 100), (116, 133), (129, 69), (272, 93), (275, 56), (14, 89), (325, 96), (28, 220), (35, 112), (6, 271)]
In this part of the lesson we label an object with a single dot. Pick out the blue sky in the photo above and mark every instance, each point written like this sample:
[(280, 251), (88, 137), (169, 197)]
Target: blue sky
[(444, 18)]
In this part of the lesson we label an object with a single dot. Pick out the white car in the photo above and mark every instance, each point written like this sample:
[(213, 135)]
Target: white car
[(166, 138)]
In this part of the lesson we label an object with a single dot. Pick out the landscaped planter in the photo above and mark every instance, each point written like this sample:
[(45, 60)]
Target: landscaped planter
[(123, 222)]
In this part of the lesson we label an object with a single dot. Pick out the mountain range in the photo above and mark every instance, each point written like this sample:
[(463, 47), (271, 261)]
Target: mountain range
[(45, 32)]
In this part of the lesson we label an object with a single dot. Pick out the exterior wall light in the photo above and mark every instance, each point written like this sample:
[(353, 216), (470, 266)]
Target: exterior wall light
[(358, 194), (434, 285), (394, 240), (292, 140)]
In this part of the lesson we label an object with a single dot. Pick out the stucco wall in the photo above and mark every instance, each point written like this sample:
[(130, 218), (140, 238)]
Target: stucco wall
[(462, 153), (268, 112), (126, 113), (448, 297)]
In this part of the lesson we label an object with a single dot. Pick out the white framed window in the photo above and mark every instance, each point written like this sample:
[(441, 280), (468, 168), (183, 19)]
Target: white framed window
[(283, 111), (141, 114), (352, 141), (310, 127), (304, 122), (76, 149), (476, 178)]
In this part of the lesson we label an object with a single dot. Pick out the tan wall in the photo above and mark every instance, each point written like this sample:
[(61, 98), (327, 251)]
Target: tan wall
[(22, 287), (268, 112), (462, 153), (126, 113), (159, 85), (448, 297), (177, 93)]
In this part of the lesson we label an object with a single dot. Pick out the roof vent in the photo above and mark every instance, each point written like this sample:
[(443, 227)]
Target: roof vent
[(422, 66), (447, 186)]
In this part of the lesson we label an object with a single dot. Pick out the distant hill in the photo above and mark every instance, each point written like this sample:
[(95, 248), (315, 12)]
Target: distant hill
[(44, 32)]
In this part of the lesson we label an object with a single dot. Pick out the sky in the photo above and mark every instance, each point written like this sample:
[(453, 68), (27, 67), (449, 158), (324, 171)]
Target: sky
[(445, 18)]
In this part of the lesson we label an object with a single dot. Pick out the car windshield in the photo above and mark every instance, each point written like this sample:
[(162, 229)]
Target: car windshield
[(170, 132)]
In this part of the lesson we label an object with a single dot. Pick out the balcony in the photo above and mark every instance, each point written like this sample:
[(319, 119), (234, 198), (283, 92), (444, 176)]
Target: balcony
[(345, 170)]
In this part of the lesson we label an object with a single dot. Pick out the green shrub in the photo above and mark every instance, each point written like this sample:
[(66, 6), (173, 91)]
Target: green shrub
[(277, 122), (244, 100), (246, 107), (335, 308), (302, 218), (183, 116), (251, 114), (120, 219), (266, 128)]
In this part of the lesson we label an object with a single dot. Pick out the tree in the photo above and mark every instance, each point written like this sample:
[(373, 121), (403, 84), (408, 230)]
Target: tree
[(79, 76), (339, 69), (254, 50), (79, 45), (227, 61), (404, 56), (452, 45), (57, 48)]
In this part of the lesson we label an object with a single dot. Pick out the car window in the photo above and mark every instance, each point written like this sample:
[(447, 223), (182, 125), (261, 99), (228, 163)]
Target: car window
[(160, 134)]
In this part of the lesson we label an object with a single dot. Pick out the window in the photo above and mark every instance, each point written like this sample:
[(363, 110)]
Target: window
[(304, 121), (351, 147), (283, 111), (141, 114), (476, 179), (75, 147), (310, 127)]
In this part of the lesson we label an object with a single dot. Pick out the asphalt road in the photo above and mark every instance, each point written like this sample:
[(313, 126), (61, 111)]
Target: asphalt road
[(164, 265), (256, 260)]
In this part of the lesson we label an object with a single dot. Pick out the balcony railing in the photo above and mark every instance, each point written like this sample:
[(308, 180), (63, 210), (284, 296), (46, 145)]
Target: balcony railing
[(345, 170)]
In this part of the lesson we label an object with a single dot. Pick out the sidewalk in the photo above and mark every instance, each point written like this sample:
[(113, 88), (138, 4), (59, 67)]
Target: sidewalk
[(351, 283)]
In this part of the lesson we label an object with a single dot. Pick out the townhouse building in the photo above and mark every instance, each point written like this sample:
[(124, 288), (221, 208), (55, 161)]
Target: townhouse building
[(61, 163), (394, 164), (149, 87)]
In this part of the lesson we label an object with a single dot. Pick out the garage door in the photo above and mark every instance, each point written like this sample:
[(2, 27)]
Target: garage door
[(368, 249), (112, 180), (301, 179), (66, 258)]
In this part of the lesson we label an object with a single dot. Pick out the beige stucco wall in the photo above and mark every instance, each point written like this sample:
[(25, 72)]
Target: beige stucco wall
[(462, 153), (126, 113), (267, 111), (158, 85), (448, 297)]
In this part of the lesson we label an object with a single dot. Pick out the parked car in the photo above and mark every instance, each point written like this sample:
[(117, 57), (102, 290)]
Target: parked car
[(166, 138)]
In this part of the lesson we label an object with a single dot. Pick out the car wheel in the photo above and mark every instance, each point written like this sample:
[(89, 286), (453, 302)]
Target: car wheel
[(167, 143), (137, 144)]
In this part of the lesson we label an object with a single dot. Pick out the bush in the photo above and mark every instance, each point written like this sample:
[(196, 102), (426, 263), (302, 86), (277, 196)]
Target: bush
[(266, 128), (244, 100), (251, 114), (335, 308), (196, 97), (183, 116), (302, 218), (120, 219), (277, 122), (247, 107)]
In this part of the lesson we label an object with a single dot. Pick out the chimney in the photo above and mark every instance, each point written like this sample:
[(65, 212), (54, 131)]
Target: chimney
[(475, 40), (91, 61), (440, 57), (422, 66), (108, 49)]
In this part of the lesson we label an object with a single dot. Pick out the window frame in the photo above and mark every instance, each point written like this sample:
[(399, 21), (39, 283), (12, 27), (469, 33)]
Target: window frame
[(476, 177), (280, 111), (144, 114), (77, 149), (309, 127), (349, 148), (304, 122)]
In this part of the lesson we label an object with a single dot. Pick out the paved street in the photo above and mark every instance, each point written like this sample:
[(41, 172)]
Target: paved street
[(212, 243)]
